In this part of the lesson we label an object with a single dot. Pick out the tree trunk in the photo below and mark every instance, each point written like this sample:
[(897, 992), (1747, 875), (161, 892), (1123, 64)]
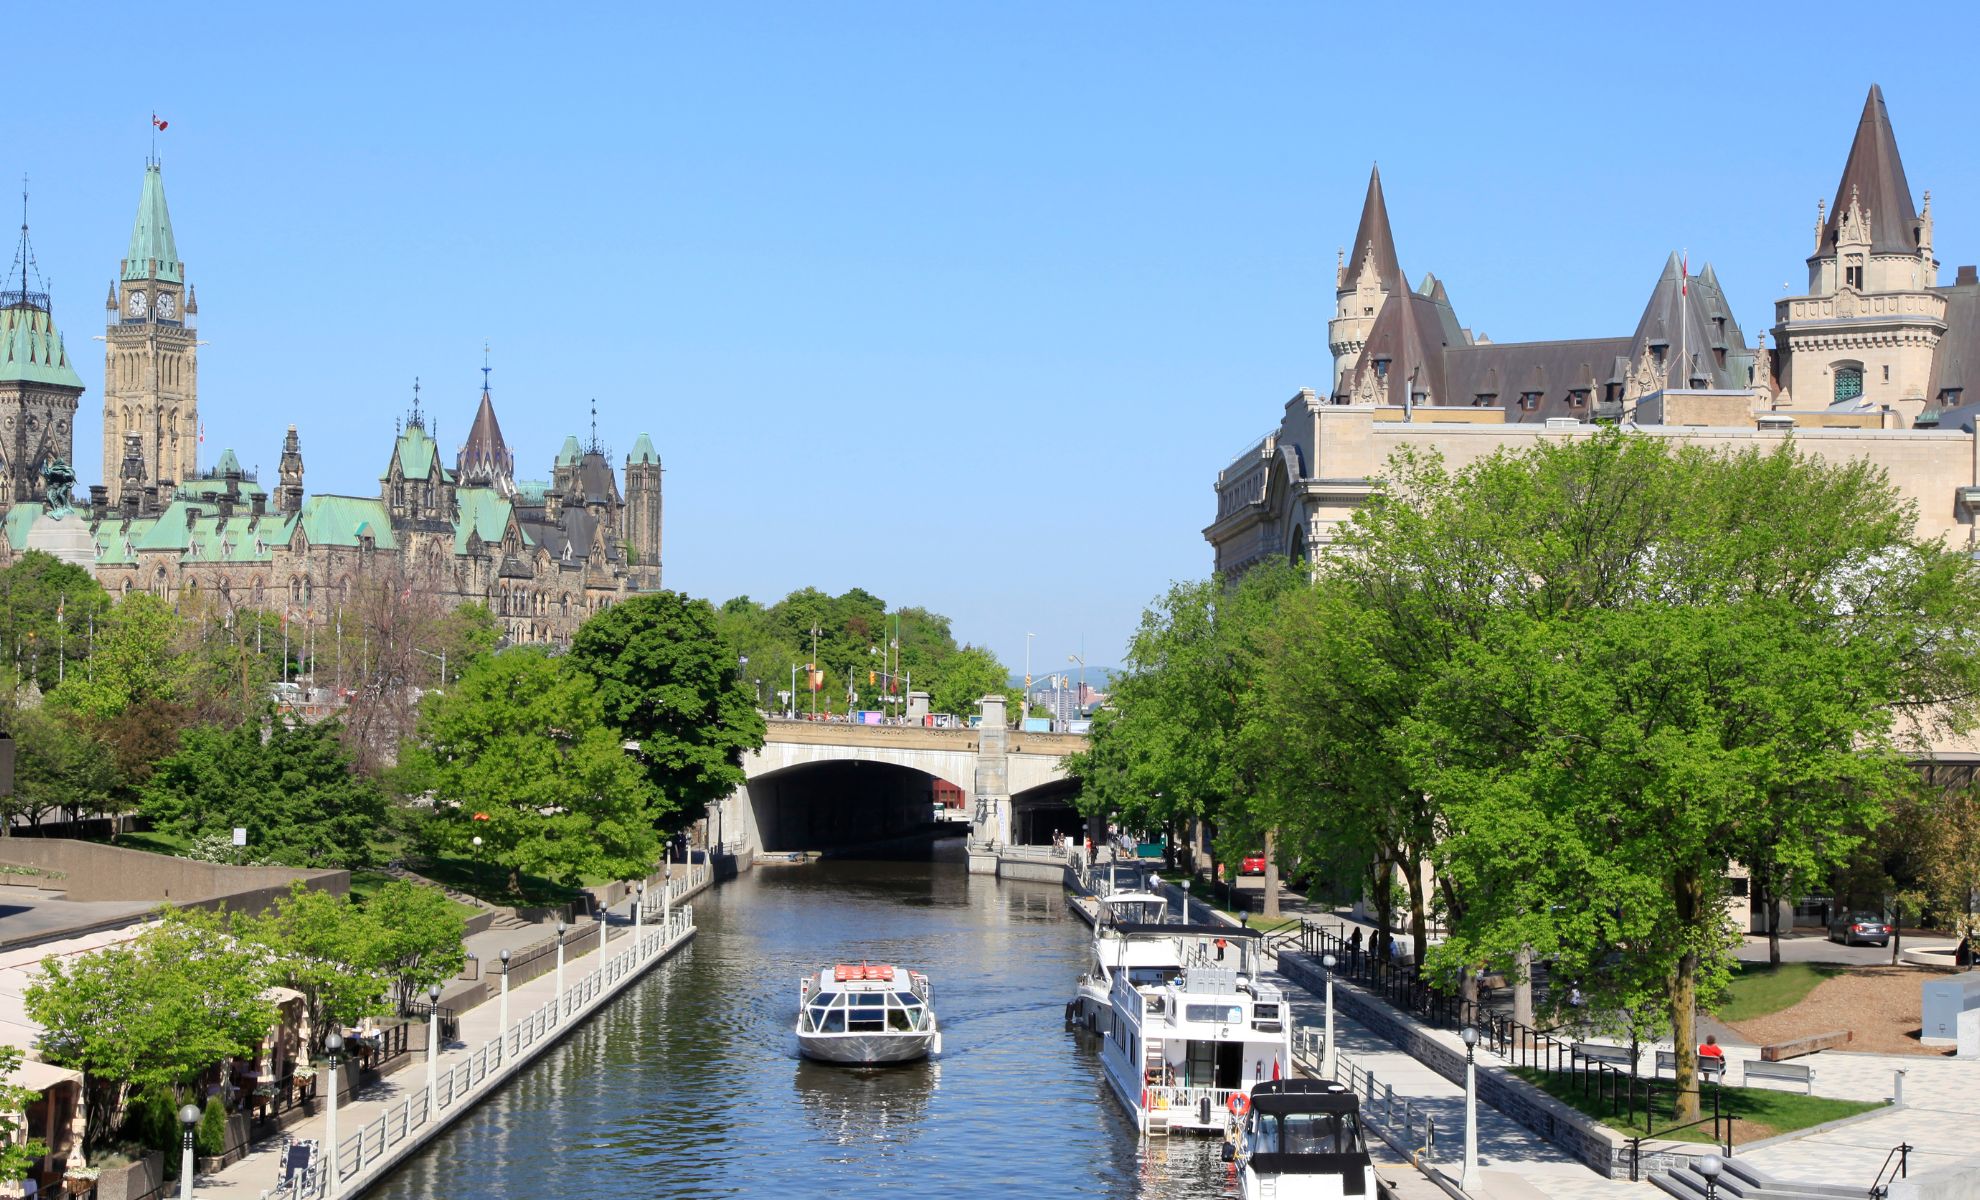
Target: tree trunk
[(1897, 932), (1271, 874), (1419, 906), (1772, 911), (1523, 987), (1690, 897)]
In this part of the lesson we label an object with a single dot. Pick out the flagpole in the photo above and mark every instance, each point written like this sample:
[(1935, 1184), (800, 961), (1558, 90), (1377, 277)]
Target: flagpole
[(1684, 318)]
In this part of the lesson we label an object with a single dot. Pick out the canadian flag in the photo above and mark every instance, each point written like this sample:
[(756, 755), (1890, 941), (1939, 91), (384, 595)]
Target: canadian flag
[(158, 124)]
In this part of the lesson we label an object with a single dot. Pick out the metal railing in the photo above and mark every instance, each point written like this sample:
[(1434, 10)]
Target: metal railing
[(1188, 1101), (1899, 1157), (1406, 1124), (460, 1082)]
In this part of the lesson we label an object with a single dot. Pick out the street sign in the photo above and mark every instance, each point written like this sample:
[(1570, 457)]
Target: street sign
[(240, 836)]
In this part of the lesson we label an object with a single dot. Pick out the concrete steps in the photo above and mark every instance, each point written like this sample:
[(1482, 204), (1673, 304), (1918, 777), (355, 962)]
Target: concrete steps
[(1738, 1181)]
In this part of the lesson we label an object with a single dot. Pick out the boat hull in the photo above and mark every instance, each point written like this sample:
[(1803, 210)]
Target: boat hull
[(868, 1048)]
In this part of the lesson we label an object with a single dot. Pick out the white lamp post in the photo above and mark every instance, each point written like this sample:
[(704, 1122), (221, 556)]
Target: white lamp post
[(333, 1052), (667, 891), (189, 1117), (1468, 1172), (1710, 1166), (639, 910), (561, 927), (604, 916), (1328, 961), (504, 1011), (432, 1048)]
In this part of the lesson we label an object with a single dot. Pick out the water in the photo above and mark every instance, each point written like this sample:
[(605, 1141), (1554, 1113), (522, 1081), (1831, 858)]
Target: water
[(690, 1083)]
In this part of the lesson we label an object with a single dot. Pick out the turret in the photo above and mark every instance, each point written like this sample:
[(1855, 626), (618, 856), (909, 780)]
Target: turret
[(289, 500)]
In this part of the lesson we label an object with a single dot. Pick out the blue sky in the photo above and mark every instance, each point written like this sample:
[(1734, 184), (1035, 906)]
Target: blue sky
[(964, 304)]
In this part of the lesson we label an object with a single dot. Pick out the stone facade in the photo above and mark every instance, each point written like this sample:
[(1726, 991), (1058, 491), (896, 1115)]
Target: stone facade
[(541, 556), (1870, 364)]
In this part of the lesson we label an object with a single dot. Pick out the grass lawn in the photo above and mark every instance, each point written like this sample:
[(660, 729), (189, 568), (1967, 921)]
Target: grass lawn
[(1214, 895), (491, 883), (155, 842), (1761, 988), (1761, 1112), (365, 885)]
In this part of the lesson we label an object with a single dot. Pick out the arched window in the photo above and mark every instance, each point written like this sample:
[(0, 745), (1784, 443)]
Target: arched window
[(1849, 383)]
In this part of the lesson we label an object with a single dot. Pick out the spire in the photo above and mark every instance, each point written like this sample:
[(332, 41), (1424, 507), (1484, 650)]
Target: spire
[(1373, 241), (485, 459), (153, 253), (642, 452), (1874, 178), (31, 348), (416, 419)]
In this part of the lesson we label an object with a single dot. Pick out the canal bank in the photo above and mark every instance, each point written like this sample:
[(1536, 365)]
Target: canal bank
[(397, 1116)]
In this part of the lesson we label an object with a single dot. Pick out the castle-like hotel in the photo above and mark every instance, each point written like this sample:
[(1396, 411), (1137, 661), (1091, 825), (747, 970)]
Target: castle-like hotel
[(540, 554), (1872, 362)]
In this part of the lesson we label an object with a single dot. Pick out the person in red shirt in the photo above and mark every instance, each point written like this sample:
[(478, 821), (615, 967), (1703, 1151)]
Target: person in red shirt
[(1712, 1056)]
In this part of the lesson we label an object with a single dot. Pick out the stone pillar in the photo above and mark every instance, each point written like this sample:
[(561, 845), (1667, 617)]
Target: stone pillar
[(991, 829)]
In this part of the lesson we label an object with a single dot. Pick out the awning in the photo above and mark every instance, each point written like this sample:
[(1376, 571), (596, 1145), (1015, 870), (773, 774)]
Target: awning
[(40, 1076)]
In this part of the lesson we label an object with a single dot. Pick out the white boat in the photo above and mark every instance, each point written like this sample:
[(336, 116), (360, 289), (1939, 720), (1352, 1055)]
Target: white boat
[(1301, 1139), (866, 1013), (1129, 934), (1179, 1042)]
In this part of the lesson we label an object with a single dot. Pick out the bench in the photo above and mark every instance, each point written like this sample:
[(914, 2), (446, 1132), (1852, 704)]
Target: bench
[(1711, 1068), (1615, 1056), (1785, 1072), (1811, 1044)]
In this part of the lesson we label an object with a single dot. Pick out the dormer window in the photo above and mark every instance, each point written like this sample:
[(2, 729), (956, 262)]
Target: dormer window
[(1657, 352), (1484, 399), (1578, 398), (1719, 355), (1382, 369), (1529, 401)]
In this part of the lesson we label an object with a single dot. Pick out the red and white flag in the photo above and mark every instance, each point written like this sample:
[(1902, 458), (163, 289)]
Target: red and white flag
[(1684, 274), (158, 124)]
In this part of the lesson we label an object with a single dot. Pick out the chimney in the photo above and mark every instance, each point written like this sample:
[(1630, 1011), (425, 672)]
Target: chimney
[(99, 500), (1966, 275), (258, 504)]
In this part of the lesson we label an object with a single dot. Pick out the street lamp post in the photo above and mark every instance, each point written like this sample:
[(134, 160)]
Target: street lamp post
[(667, 892), (189, 1117), (1328, 962), (1710, 1166), (333, 1051), (561, 927), (639, 909), (504, 1012), (432, 1048), (1469, 1171)]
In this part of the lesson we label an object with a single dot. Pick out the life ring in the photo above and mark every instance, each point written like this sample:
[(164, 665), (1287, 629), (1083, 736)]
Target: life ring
[(1240, 1104)]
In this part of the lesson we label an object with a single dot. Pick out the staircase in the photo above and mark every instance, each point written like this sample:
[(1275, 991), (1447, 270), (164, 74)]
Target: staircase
[(1156, 1120), (1741, 1182)]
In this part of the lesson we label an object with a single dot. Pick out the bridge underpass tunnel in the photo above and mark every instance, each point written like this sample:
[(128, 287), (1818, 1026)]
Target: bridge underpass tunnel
[(837, 805), (1038, 813)]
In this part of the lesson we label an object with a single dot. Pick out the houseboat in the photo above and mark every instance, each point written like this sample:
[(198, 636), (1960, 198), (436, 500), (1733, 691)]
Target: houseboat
[(1130, 933)]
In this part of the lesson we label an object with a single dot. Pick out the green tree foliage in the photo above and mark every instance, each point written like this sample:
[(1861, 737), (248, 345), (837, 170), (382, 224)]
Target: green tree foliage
[(967, 676), (328, 949), (150, 1014), (210, 1138), (518, 753), (419, 940), (295, 793), (17, 1153), (668, 681), (134, 661), (51, 608), (60, 765)]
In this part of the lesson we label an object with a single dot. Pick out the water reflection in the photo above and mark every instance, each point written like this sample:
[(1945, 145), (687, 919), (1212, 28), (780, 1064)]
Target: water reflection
[(690, 1084)]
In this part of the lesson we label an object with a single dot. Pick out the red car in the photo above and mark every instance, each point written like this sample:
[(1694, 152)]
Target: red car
[(1253, 864)]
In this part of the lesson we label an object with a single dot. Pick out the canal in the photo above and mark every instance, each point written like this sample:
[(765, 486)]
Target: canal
[(690, 1083)]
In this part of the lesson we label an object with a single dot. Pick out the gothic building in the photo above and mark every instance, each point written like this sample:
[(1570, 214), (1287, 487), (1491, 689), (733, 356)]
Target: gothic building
[(541, 555), (1873, 362)]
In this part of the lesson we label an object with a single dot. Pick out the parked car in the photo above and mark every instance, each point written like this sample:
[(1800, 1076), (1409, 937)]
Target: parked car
[(1866, 928), (1253, 864)]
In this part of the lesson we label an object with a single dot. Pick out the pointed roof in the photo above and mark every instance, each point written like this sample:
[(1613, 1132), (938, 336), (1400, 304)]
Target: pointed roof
[(1374, 231), (31, 348), (570, 452), (1874, 175), (153, 253), (642, 451), (486, 459)]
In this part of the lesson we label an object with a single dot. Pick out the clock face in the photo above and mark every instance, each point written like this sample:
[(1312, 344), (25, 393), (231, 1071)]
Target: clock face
[(167, 303), (135, 305)]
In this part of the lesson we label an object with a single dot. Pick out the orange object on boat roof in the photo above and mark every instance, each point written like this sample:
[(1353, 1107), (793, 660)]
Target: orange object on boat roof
[(845, 972)]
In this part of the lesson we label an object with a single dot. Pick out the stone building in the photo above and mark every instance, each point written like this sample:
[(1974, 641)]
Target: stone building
[(1871, 363), (542, 555)]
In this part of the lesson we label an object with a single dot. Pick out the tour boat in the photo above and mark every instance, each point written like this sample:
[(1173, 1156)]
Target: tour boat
[(1181, 1043), (1301, 1139), (866, 1013), (1129, 934)]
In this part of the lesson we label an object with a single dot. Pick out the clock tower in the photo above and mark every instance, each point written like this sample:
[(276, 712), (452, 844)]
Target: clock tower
[(150, 369)]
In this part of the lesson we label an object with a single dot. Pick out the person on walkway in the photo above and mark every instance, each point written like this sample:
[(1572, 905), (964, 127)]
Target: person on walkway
[(1354, 950), (1220, 949)]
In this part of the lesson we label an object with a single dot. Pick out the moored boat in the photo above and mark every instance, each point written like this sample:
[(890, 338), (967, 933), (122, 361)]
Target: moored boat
[(1301, 1139), (866, 1013)]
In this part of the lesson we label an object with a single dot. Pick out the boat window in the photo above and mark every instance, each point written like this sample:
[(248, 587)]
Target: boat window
[(1231, 1013), (1306, 1133), (906, 1000), (1151, 976), (834, 1021), (867, 1016)]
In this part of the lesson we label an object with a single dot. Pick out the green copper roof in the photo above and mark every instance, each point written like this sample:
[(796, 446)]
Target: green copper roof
[(642, 451), (484, 511), (531, 491), (343, 520), (153, 254), (227, 464), (417, 454), (571, 452), (19, 519), (31, 349)]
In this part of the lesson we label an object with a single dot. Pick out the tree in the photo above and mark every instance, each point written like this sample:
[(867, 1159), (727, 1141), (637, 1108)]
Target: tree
[(967, 676), (17, 1153), (518, 753), (323, 946), (295, 793), (668, 681), (1949, 854), (133, 661), (150, 1014), (51, 608), (58, 765), (420, 937)]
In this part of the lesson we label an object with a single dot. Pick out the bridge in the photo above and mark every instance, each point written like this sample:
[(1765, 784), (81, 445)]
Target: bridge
[(822, 784)]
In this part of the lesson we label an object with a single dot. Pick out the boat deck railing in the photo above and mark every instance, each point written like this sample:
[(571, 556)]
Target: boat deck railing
[(1185, 1104)]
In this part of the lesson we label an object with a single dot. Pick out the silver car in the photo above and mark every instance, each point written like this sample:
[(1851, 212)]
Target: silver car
[(1862, 928)]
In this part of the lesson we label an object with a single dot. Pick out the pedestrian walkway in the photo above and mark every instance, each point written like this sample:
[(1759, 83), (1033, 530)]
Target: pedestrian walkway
[(1514, 1162), (394, 1116)]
